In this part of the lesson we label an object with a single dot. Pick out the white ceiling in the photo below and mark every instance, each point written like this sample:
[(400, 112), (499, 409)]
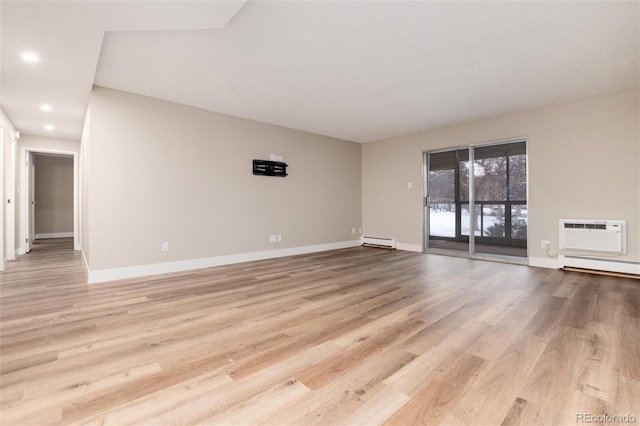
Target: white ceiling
[(67, 36), (357, 70)]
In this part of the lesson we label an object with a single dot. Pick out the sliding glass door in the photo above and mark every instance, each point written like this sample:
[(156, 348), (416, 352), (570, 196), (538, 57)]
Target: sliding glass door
[(489, 219)]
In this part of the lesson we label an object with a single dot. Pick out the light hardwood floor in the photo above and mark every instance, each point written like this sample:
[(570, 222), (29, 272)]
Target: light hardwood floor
[(354, 336)]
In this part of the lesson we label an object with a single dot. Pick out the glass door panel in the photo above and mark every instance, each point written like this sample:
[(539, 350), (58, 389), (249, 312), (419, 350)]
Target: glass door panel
[(442, 203), (444, 207), (500, 189), (519, 222), (491, 221)]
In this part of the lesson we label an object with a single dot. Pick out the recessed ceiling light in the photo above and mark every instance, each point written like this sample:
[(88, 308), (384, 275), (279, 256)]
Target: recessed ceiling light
[(30, 57), (48, 127), (45, 107)]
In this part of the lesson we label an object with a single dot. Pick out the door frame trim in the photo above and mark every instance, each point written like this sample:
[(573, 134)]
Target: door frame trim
[(2, 192), (25, 223), (426, 211), (10, 145)]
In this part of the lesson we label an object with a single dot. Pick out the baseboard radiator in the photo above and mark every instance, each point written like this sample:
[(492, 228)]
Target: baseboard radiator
[(386, 243), (608, 267), (587, 240)]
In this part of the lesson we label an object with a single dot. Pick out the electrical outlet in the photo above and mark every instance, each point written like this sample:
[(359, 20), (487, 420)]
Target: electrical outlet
[(409, 185), (279, 238), (545, 244), (165, 246), (273, 238)]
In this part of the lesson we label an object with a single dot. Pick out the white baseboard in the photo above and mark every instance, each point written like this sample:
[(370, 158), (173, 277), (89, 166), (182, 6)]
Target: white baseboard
[(187, 265), (544, 262), (54, 235), (409, 247)]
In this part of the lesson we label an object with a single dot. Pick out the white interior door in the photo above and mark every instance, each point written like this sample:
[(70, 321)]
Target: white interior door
[(31, 194), (9, 200)]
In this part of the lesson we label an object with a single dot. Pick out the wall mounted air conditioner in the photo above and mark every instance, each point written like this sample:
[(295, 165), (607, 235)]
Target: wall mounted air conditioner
[(388, 243), (602, 236)]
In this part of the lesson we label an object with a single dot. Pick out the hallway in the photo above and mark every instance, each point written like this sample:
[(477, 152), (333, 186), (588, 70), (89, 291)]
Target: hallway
[(51, 263)]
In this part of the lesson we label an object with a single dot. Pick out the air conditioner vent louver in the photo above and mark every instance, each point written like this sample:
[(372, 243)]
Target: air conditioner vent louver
[(586, 225), (604, 236)]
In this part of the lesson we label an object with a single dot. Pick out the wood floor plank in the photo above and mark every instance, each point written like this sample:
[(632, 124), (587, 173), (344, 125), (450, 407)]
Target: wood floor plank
[(629, 352), (631, 298), (139, 411), (197, 409), (555, 373), (488, 401), (352, 336), (514, 415), (599, 360), (582, 306), (331, 403), (329, 370), (492, 344), (376, 408), (438, 397), (252, 410), (432, 361)]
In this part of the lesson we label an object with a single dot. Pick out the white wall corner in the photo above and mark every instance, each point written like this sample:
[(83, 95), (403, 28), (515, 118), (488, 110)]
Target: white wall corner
[(409, 247), (86, 266), (188, 265), (543, 262)]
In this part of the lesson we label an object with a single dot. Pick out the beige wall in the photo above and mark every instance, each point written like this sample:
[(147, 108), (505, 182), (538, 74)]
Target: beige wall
[(53, 195), (160, 171), (583, 163)]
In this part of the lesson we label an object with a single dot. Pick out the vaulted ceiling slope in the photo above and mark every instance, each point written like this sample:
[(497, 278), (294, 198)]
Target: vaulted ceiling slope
[(67, 38), (359, 71)]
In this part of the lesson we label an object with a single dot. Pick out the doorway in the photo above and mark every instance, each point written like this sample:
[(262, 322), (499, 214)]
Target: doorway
[(50, 202), (2, 224), (476, 202)]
